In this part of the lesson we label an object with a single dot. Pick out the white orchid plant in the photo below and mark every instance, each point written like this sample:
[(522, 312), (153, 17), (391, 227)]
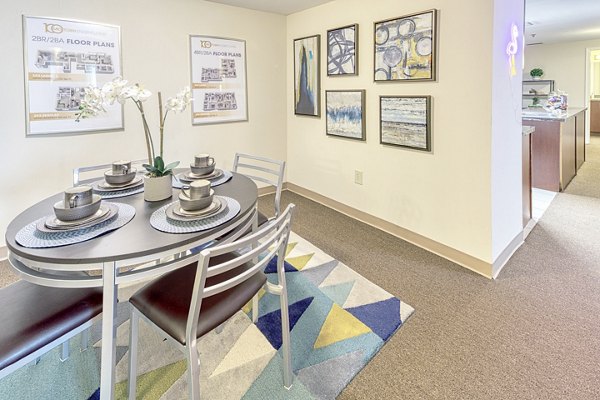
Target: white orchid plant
[(96, 99)]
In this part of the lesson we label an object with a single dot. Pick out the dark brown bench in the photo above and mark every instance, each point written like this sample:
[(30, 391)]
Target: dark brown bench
[(34, 319)]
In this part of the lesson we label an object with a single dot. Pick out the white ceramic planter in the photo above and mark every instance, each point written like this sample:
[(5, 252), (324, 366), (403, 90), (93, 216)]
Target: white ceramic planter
[(157, 188)]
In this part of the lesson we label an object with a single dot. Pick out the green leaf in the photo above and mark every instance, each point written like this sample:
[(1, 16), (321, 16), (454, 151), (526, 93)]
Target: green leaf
[(159, 163), (172, 165)]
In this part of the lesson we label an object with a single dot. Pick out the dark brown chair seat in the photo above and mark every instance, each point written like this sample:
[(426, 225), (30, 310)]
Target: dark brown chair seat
[(167, 300), (34, 316)]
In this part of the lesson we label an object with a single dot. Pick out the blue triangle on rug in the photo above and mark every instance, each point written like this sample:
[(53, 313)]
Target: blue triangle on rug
[(95, 395), (272, 266), (270, 324), (382, 317)]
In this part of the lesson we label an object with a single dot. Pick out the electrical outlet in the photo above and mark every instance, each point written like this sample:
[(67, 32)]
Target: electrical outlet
[(358, 177)]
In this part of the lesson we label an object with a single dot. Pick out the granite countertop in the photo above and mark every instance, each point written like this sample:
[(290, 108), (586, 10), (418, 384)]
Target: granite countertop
[(542, 115), (528, 130)]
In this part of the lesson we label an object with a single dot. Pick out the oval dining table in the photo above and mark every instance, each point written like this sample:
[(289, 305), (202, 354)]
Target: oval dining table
[(113, 254)]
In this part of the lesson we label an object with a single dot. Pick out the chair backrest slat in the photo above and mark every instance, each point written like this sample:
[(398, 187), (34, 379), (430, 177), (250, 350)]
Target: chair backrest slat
[(272, 238), (228, 284), (242, 161), (246, 256)]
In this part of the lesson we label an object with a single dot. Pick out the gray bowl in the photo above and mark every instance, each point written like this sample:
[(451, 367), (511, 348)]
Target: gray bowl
[(119, 179), (202, 170), (194, 205), (80, 212)]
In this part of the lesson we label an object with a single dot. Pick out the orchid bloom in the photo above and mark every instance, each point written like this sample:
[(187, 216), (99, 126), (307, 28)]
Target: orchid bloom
[(95, 99)]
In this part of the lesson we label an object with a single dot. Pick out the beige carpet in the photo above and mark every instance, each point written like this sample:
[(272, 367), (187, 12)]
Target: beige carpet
[(587, 181), (534, 333)]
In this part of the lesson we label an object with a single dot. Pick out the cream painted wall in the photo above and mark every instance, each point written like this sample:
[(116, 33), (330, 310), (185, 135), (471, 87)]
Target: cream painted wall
[(565, 63), (507, 139), (444, 195), (155, 52)]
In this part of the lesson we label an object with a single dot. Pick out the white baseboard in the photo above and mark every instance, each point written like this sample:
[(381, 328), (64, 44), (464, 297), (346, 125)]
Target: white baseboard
[(486, 269), (3, 253)]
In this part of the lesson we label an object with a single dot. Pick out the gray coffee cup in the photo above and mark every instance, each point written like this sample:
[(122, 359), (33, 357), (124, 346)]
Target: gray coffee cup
[(78, 196), (203, 160), (121, 167), (197, 189)]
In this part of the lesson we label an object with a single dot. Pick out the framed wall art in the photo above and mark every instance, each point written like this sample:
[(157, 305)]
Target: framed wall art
[(218, 80), (342, 51), (307, 76), (405, 121), (62, 57), (405, 47), (345, 113)]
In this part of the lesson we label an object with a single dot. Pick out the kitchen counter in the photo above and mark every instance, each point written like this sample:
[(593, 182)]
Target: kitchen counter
[(528, 130), (557, 147), (543, 115)]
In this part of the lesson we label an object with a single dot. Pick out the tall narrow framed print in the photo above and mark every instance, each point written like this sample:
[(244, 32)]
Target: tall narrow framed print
[(307, 76), (405, 48), (218, 74), (62, 57), (342, 51), (405, 121)]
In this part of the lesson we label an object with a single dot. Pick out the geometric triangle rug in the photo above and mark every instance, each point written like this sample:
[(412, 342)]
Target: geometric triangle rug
[(339, 321)]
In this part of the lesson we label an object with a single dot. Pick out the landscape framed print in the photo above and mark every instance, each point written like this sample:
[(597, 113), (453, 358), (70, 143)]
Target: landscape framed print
[(405, 48), (345, 113), (342, 51), (307, 76), (405, 121)]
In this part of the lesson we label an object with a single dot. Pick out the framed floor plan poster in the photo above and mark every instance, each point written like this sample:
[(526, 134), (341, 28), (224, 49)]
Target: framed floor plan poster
[(62, 57), (218, 80)]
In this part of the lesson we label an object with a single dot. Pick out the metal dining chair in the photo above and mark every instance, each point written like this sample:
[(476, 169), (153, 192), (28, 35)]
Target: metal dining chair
[(35, 319), (207, 290), (77, 172), (269, 167)]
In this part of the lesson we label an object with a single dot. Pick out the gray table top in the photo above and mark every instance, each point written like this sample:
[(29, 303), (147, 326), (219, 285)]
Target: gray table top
[(136, 239)]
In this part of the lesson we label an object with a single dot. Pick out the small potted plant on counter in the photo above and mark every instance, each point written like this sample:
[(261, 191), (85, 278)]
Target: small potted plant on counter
[(536, 73)]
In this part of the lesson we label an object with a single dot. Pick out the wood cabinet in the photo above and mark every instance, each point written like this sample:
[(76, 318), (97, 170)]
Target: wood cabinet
[(595, 116), (527, 207), (579, 140), (557, 150)]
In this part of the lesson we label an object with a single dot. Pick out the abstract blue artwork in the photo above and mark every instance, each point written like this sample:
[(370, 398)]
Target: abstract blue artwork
[(342, 51), (345, 113), (306, 76)]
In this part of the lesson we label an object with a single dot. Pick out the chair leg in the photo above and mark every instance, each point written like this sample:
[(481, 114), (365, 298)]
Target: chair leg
[(285, 335), (133, 344), (255, 308), (85, 339), (65, 352), (193, 371)]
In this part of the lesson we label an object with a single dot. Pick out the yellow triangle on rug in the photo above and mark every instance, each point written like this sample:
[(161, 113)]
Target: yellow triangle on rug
[(339, 325)]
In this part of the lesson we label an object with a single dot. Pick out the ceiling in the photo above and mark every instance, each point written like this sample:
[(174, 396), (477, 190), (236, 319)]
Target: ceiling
[(546, 21), (284, 7), (553, 21)]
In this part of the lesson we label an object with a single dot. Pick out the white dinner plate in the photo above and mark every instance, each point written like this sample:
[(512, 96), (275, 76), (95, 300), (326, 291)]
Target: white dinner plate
[(175, 212), (106, 212)]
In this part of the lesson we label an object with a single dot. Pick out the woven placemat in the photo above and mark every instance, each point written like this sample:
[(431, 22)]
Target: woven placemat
[(30, 237), (160, 221), (227, 175)]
